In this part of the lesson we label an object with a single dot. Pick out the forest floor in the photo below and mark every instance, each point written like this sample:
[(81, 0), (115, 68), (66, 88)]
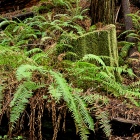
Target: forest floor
[(119, 112)]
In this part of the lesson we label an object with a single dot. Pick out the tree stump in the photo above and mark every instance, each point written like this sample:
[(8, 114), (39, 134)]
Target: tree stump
[(101, 42)]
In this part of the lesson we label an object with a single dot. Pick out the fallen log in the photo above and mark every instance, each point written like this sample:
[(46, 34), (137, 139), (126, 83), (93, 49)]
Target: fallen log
[(123, 120), (16, 18), (12, 5)]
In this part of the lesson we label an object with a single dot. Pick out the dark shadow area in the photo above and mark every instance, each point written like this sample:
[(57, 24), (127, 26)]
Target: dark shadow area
[(4, 126), (124, 129)]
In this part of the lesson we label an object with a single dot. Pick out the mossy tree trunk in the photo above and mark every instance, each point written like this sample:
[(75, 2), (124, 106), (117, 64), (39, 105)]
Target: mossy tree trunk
[(102, 11)]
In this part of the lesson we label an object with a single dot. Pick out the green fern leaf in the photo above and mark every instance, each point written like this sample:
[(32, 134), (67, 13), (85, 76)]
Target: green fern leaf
[(21, 99), (78, 113), (25, 71), (103, 118), (82, 107), (90, 57)]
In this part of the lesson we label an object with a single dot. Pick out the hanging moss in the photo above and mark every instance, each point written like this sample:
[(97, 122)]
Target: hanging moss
[(113, 44)]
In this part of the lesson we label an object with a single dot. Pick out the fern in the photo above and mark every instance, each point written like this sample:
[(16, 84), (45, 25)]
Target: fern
[(103, 117), (38, 56), (25, 71), (103, 77), (33, 51), (90, 57), (98, 102), (80, 115), (10, 57), (135, 18), (82, 107), (6, 22), (95, 98), (135, 85), (82, 74), (20, 100), (24, 91)]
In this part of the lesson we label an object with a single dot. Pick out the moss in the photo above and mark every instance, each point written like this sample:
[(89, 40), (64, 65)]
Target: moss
[(113, 44), (139, 47), (100, 42)]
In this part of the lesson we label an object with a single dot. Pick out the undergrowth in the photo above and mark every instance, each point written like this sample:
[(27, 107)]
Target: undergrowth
[(133, 34), (34, 76)]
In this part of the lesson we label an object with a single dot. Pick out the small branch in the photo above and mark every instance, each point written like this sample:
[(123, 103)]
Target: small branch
[(116, 17), (32, 45), (23, 16), (16, 18), (125, 121)]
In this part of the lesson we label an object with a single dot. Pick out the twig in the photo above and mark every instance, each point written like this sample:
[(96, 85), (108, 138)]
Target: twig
[(126, 120), (116, 17)]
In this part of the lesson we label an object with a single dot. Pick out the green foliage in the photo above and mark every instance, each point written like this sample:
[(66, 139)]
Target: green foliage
[(134, 34), (5, 137), (24, 91), (82, 85), (125, 48), (10, 55), (25, 71), (136, 20), (75, 104), (102, 116), (102, 76), (76, 11)]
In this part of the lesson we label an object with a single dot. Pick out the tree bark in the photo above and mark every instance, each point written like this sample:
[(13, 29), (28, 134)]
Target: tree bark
[(102, 11), (126, 11), (128, 23)]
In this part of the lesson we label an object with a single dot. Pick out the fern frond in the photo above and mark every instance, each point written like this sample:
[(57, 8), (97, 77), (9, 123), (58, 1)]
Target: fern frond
[(96, 98), (25, 71), (43, 39), (33, 51), (6, 22), (82, 107), (90, 57), (55, 92), (62, 85), (135, 85), (9, 56), (77, 112), (103, 117), (126, 32), (40, 57), (20, 99)]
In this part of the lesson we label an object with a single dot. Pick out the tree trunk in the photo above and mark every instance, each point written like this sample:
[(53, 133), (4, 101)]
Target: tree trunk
[(128, 23), (126, 10), (102, 11)]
